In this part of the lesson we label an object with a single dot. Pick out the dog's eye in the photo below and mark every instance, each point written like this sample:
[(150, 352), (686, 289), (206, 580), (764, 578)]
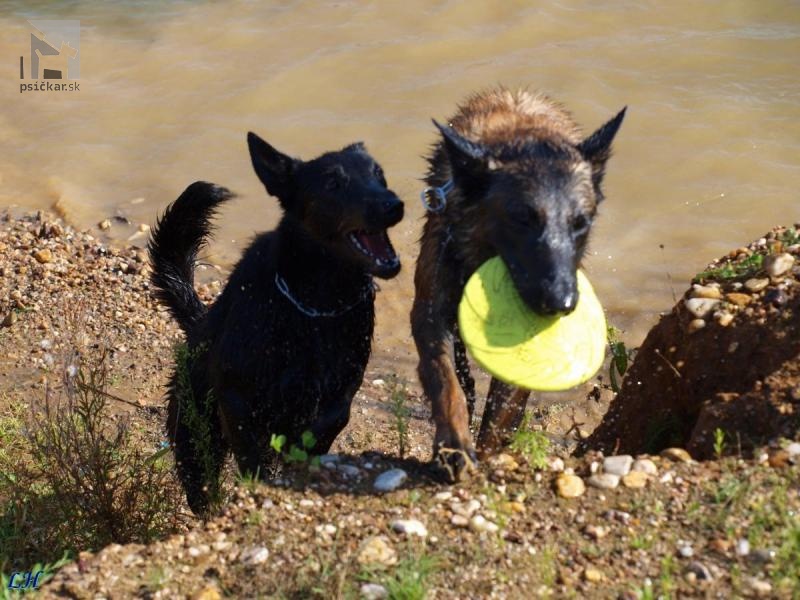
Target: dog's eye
[(333, 182), (580, 224), (378, 172)]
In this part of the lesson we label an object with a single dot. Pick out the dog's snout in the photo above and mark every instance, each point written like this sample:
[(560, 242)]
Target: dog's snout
[(393, 208), (558, 300)]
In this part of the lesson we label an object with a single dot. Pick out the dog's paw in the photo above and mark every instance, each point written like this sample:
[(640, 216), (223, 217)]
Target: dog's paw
[(456, 461)]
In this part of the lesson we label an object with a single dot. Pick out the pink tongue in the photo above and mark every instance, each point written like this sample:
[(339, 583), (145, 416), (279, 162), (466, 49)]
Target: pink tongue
[(376, 244)]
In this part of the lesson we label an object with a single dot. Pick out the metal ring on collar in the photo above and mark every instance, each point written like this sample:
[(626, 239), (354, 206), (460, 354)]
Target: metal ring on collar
[(434, 199)]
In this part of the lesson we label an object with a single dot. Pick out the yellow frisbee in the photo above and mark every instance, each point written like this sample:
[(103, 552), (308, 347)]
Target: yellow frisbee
[(523, 348)]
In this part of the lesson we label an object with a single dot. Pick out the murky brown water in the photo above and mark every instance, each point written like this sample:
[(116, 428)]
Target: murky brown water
[(708, 158)]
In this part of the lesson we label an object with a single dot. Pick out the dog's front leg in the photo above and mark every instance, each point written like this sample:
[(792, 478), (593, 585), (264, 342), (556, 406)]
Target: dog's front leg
[(452, 444), (329, 424), (238, 424), (505, 408)]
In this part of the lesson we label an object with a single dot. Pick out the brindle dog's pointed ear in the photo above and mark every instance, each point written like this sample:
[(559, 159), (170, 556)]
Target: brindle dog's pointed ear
[(459, 149), (274, 169), (597, 147)]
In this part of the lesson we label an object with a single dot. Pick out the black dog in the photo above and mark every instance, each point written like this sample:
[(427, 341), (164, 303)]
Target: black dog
[(284, 348), (513, 177)]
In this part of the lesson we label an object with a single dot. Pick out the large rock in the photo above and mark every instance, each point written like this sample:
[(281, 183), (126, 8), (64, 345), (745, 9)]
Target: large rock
[(739, 373)]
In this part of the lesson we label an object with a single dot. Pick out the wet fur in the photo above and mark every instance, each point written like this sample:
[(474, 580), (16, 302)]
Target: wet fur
[(529, 144), (259, 366)]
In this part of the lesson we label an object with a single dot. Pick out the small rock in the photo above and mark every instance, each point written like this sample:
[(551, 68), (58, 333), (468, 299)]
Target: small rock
[(761, 588), (676, 455), (686, 551), (635, 479), (570, 486), (593, 575), (443, 496), (779, 264), (793, 449), (349, 470), (756, 285), (706, 291), (556, 464), (644, 465), (618, 465), (9, 319), (700, 571), (390, 480), (779, 459), (43, 256), (329, 459), (696, 325), (255, 555), (605, 481), (700, 307), (479, 524), (724, 318), (410, 527), (763, 555), (775, 297), (210, 592), (459, 521), (104, 225), (740, 300), (377, 550), (378, 383), (374, 591), (595, 532), (742, 547), (503, 461)]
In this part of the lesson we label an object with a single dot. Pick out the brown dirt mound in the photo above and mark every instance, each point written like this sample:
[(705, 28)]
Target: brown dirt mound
[(726, 357)]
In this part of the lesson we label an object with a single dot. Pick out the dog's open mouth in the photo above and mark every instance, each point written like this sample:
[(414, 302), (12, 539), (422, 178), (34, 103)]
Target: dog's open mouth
[(375, 246)]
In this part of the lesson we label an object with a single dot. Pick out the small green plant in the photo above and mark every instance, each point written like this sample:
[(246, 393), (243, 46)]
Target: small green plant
[(719, 442), (620, 358), (408, 581), (730, 269), (533, 445), (296, 454), (790, 237), (398, 399)]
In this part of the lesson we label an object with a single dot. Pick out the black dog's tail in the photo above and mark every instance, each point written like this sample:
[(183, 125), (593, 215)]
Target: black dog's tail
[(177, 238)]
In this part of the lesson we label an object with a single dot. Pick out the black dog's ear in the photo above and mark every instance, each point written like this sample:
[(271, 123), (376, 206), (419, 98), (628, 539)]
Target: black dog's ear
[(597, 147), (463, 154), (273, 168)]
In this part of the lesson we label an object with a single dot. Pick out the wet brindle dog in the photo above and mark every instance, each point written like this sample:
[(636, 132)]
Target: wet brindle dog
[(284, 348), (511, 176)]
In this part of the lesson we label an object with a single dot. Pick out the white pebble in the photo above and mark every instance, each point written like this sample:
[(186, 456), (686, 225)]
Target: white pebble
[(618, 465), (410, 527), (374, 591), (606, 481), (255, 556), (390, 480)]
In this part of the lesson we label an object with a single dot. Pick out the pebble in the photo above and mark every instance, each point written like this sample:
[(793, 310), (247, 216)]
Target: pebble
[(593, 575), (570, 486), (700, 571), (378, 383), (255, 555), (635, 479), (739, 299), (390, 480), (104, 225), (329, 459), (742, 547), (700, 307), (43, 256), (618, 465), (793, 449), (9, 319), (210, 592), (676, 455), (374, 591), (410, 527), (605, 481), (696, 325), (443, 496), (763, 555), (775, 297), (479, 524), (644, 465), (706, 291), (351, 471), (778, 265), (377, 550), (725, 318), (556, 464), (756, 285), (686, 551), (595, 532), (459, 521), (503, 461), (761, 588)]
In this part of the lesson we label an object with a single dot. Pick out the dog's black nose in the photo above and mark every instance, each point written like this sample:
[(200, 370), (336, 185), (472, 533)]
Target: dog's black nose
[(392, 208), (555, 301)]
